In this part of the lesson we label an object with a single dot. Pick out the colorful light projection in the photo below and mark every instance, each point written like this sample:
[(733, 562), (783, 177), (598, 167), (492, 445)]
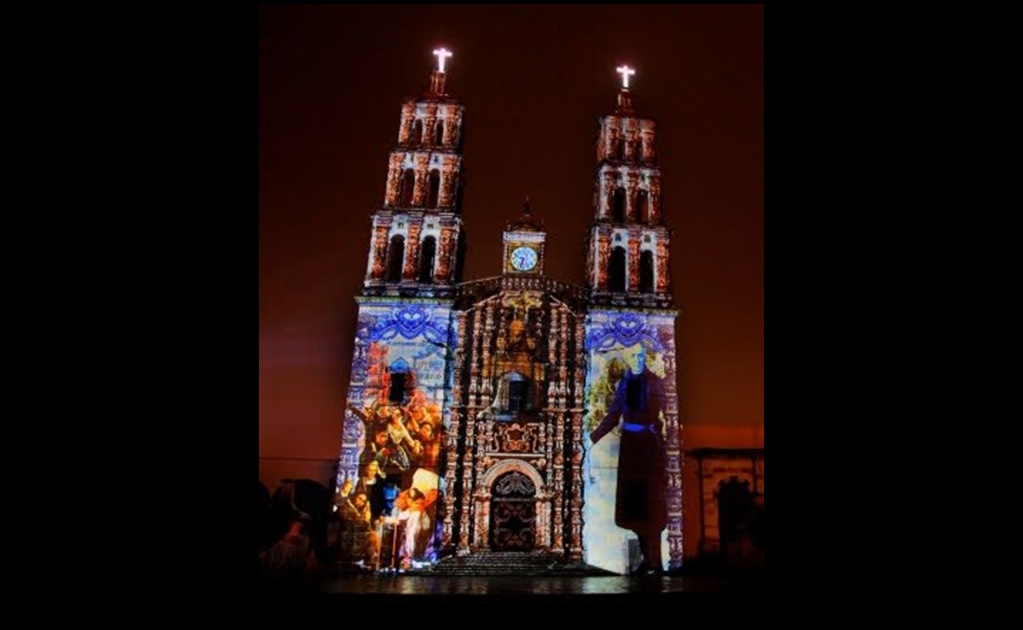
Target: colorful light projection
[(625, 511), (387, 504)]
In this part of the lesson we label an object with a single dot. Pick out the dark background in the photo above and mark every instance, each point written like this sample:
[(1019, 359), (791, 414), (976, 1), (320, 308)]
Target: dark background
[(534, 80)]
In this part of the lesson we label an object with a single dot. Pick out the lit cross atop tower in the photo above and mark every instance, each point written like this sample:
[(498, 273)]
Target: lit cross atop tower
[(437, 78), (625, 71), (443, 54)]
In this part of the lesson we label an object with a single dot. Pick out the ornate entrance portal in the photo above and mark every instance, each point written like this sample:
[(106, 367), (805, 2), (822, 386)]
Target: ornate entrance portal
[(513, 513)]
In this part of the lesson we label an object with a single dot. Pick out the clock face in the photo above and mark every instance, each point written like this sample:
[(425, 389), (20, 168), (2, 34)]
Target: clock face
[(523, 258)]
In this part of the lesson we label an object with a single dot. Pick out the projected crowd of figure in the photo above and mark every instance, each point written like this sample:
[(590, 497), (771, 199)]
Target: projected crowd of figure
[(388, 516)]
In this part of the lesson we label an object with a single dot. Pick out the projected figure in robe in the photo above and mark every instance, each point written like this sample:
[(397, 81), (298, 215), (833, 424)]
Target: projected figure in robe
[(639, 499)]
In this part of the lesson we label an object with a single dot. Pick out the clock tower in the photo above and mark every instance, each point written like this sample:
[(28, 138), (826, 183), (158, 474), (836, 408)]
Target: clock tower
[(524, 240)]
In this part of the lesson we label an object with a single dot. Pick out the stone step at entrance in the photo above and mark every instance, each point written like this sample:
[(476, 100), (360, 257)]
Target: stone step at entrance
[(492, 563)]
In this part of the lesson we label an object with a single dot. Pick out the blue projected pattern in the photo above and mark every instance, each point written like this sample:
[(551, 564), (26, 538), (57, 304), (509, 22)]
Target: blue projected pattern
[(410, 322), (627, 329)]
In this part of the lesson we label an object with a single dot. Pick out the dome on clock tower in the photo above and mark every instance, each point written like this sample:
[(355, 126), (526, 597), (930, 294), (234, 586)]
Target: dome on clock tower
[(525, 223)]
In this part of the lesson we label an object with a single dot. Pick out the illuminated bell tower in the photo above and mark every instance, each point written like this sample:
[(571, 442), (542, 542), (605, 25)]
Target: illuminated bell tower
[(417, 245), (627, 257), (403, 349), (630, 326)]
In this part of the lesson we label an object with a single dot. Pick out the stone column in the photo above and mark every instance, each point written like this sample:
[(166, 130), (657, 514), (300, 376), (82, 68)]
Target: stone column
[(543, 518), (646, 135), (634, 237), (579, 385), (631, 154), (631, 190), (663, 279), (558, 483), (603, 257), (411, 270), (443, 254), (655, 197), (451, 438), (566, 334), (575, 551), (487, 368), (448, 176), (393, 178), (422, 161), (465, 518), (408, 112), (429, 124), (673, 452), (378, 250), (482, 507), (606, 189)]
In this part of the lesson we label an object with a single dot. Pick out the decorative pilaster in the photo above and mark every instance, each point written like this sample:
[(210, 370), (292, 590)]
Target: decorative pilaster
[(452, 255), (447, 182), (482, 505), (487, 389), (662, 266), (467, 470), (634, 238), (474, 363), (378, 249), (631, 189), (646, 135), (393, 178), (430, 124), (448, 138), (408, 113), (451, 442), (607, 191), (422, 178), (443, 254), (411, 271), (579, 385), (566, 334), (472, 411), (603, 256), (673, 454), (655, 198), (558, 481), (552, 357), (575, 551)]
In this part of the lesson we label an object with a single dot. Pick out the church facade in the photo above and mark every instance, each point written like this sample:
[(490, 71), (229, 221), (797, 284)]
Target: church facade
[(518, 412)]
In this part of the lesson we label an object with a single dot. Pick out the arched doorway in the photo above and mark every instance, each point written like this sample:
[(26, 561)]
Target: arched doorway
[(513, 513)]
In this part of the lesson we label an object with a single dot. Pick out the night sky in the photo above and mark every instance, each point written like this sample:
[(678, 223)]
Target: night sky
[(534, 80)]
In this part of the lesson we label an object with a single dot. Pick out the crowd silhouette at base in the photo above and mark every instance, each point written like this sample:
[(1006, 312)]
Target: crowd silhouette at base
[(296, 545), (294, 523)]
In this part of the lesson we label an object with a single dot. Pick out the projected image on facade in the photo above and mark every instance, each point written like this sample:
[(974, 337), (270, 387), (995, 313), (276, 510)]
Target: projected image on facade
[(388, 508), (626, 511)]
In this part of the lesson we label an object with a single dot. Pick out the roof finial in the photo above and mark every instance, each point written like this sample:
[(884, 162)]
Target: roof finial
[(437, 78), (625, 71), (443, 53), (525, 222), (624, 95)]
